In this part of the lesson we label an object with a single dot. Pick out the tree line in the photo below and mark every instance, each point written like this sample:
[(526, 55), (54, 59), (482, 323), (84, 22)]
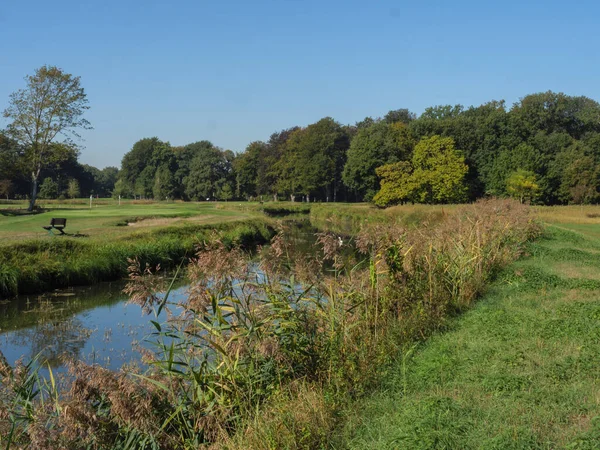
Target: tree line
[(65, 177), (544, 149)]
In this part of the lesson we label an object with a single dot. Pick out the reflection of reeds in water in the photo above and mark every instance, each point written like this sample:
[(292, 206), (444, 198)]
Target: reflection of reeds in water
[(26, 311), (250, 361)]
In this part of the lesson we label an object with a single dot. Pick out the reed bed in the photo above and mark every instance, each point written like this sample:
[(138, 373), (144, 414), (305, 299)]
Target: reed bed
[(351, 218), (265, 359)]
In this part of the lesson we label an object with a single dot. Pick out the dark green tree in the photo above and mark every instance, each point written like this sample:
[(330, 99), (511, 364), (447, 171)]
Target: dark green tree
[(139, 165), (399, 115), (372, 147), (247, 167), (313, 160), (184, 156), (209, 171), (164, 183)]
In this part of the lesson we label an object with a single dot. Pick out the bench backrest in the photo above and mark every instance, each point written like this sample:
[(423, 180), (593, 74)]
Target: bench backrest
[(60, 222)]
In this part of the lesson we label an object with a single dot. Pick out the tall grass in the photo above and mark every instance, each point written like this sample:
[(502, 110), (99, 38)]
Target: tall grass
[(351, 218), (265, 359)]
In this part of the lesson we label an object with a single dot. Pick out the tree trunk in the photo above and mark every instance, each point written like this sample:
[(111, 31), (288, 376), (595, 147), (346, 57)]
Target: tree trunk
[(34, 191)]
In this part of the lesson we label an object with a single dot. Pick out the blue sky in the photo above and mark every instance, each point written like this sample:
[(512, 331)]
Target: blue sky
[(235, 71)]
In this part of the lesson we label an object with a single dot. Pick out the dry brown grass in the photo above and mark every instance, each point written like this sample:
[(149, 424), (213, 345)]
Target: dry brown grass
[(570, 270), (575, 214)]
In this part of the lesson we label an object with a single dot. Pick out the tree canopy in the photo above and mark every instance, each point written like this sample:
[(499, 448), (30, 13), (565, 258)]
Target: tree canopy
[(545, 149), (435, 174), (51, 105)]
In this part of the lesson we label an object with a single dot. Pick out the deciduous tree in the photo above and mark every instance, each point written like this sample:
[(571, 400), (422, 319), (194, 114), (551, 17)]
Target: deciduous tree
[(51, 105), (397, 184), (73, 189), (435, 174), (48, 189), (372, 147), (522, 184)]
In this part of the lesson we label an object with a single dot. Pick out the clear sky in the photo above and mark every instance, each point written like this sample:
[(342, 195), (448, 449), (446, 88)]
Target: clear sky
[(236, 71)]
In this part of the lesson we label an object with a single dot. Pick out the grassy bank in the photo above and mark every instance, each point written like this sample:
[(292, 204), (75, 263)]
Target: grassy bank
[(518, 371), (257, 362), (44, 264)]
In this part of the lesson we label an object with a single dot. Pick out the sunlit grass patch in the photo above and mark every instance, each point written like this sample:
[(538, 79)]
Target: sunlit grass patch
[(517, 371), (575, 214), (106, 218), (39, 265)]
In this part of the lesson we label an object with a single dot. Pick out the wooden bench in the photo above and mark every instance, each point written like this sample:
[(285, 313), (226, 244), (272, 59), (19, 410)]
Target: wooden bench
[(56, 224)]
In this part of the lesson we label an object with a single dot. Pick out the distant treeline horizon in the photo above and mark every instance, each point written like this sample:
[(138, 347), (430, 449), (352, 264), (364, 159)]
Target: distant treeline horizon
[(544, 149)]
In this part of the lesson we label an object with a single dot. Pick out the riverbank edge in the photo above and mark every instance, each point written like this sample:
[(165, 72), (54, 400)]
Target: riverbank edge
[(37, 266)]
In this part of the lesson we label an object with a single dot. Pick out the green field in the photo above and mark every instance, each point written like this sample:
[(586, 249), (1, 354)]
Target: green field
[(106, 219), (100, 241), (520, 370)]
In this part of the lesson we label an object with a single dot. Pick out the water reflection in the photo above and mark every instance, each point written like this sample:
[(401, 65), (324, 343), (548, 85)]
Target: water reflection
[(53, 340)]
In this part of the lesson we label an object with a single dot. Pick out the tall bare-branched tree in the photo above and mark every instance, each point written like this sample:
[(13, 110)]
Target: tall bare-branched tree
[(50, 107)]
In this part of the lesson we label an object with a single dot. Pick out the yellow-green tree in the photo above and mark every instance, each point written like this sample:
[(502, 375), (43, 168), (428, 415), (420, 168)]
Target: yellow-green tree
[(439, 170), (436, 174), (397, 184), (522, 184), (73, 190)]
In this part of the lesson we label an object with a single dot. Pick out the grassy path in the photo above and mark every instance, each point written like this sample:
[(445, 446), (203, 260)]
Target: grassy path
[(521, 370)]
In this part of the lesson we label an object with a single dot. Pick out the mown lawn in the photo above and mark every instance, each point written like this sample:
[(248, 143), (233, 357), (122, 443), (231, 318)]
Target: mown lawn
[(106, 219), (520, 370)]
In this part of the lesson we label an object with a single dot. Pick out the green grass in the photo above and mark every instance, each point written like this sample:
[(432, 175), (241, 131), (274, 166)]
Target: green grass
[(520, 370), (106, 219), (100, 240)]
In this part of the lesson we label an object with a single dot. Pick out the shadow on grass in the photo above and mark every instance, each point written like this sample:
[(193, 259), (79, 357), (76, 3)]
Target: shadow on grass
[(71, 235), (20, 212)]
